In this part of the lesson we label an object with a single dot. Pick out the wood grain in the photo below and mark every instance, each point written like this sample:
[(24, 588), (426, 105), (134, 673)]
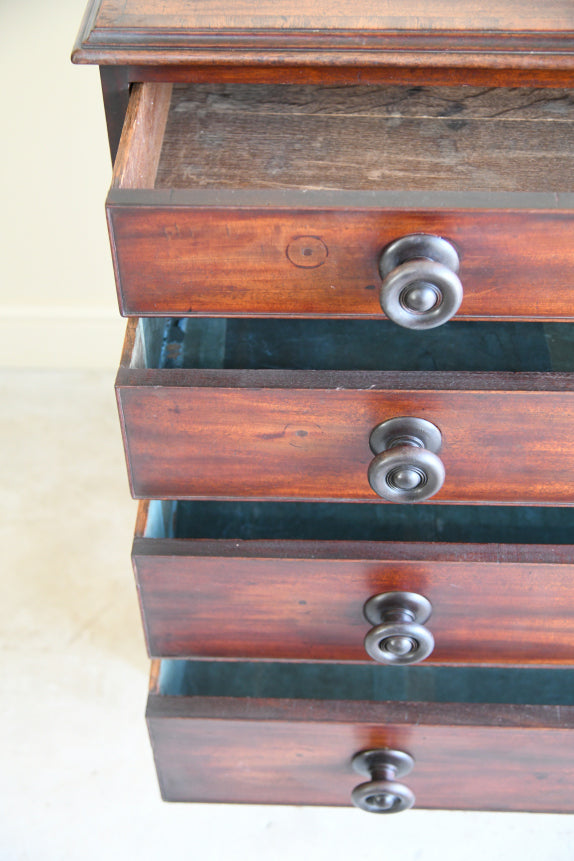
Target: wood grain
[(203, 257), (497, 38), (369, 138), (524, 16), (351, 70), (467, 756), (303, 600), (257, 170), (236, 434), (140, 145), (304, 435)]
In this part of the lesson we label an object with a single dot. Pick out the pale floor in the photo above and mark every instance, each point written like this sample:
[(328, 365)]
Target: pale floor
[(77, 778)]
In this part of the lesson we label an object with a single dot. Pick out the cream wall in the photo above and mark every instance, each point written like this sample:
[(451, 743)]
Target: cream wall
[(57, 297)]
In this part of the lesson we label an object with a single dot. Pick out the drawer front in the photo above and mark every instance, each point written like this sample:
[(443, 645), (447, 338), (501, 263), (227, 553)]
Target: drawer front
[(305, 435), (269, 751), (280, 200), (304, 600), (243, 258)]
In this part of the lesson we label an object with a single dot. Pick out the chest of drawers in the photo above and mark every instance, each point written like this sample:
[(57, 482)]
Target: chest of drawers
[(300, 204)]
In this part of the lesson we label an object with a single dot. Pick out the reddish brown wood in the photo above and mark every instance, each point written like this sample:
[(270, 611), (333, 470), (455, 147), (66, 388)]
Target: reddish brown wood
[(499, 38), (206, 249), (201, 256), (283, 435), (400, 15), (354, 73), (303, 600), (507, 438), (479, 757)]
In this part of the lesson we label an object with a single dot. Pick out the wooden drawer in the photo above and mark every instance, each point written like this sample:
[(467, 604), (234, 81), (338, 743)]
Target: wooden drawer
[(270, 161), (214, 423), (287, 734), (289, 581), (278, 200)]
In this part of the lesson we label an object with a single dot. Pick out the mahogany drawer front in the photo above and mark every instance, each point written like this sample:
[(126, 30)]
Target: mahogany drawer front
[(280, 200), (299, 750), (296, 434), (303, 600)]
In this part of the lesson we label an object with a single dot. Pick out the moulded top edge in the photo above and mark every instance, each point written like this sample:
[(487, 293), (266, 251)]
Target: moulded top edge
[(172, 31)]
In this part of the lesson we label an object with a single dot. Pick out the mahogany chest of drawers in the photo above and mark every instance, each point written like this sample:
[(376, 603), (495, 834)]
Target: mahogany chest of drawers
[(345, 242)]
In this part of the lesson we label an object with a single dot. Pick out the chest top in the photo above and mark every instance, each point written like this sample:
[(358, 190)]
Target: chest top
[(497, 41)]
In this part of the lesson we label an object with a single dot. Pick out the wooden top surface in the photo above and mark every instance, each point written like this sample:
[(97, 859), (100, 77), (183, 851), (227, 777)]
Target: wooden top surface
[(523, 33), (375, 15)]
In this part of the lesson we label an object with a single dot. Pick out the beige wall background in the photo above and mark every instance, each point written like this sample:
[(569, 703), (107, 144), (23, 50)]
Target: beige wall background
[(76, 775), (57, 298)]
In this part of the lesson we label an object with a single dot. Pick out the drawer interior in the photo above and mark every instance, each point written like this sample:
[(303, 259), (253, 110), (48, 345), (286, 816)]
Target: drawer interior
[(367, 522), (357, 138), (370, 683), (351, 345)]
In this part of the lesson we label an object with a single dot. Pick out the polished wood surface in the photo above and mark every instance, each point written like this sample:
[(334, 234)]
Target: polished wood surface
[(227, 253), (232, 235), (224, 435), (467, 756), (295, 434), (303, 600), (280, 200), (405, 15), (349, 72), (500, 39)]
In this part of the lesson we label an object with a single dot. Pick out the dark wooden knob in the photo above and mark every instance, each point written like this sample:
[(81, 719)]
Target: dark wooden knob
[(382, 793), (421, 288), (406, 467), (398, 636)]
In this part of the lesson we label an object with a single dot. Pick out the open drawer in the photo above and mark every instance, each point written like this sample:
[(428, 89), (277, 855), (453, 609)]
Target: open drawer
[(279, 200), (289, 734), (240, 409), (347, 583)]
